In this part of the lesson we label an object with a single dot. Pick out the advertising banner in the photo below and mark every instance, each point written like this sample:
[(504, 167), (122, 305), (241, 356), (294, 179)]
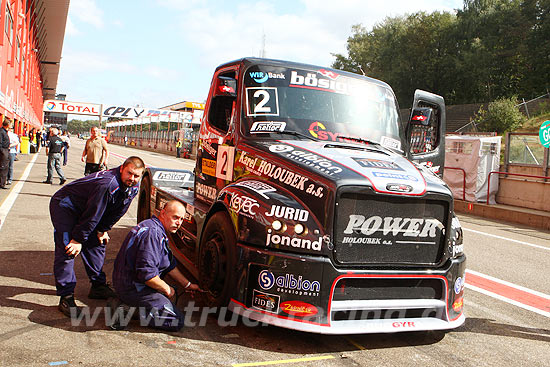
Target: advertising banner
[(76, 108)]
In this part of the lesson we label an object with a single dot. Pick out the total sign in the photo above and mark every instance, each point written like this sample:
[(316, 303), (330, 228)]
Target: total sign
[(544, 134), (75, 108)]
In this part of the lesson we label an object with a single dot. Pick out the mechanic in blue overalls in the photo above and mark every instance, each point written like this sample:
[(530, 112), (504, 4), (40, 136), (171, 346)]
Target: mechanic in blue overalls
[(143, 262), (82, 212)]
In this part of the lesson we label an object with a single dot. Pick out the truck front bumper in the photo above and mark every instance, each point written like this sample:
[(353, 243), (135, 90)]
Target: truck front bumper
[(308, 293)]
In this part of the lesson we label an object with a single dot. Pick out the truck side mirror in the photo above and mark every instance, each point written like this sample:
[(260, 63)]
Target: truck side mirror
[(226, 87), (426, 131)]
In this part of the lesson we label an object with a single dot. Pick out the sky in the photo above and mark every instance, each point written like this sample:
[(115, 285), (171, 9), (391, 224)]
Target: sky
[(154, 53)]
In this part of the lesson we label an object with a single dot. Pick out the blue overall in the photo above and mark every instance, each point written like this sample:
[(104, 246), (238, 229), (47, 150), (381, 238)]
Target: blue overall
[(144, 255), (78, 211)]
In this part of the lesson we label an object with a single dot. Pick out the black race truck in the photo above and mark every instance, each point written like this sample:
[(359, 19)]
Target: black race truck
[(312, 206)]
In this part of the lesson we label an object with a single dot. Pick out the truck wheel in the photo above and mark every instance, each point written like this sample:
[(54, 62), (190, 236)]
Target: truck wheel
[(217, 260), (144, 203)]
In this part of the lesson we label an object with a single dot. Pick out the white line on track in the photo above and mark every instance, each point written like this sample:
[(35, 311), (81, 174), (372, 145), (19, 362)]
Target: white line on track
[(507, 300), (528, 290), (507, 239), (14, 192)]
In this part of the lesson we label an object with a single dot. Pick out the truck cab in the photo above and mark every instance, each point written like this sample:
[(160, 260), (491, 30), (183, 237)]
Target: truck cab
[(312, 206)]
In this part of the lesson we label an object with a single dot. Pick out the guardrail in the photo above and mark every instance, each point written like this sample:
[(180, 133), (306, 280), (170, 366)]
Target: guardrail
[(509, 174), (463, 181)]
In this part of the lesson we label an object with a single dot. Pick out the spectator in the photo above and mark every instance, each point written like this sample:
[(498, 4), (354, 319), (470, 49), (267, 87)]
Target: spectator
[(142, 263), (82, 212), (67, 144), (54, 149), (95, 152), (14, 148), (178, 148), (38, 141), (4, 152)]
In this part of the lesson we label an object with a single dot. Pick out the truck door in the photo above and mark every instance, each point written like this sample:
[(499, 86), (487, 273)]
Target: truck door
[(426, 131), (216, 151)]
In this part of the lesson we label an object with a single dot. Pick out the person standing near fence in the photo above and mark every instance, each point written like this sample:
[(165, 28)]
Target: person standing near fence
[(95, 152), (179, 144)]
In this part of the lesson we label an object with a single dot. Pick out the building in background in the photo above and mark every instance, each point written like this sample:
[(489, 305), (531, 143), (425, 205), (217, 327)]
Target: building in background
[(31, 42), (56, 119)]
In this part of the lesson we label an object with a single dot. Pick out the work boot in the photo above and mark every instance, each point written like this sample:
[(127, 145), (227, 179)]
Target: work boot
[(101, 291), (47, 182), (62, 181), (68, 306)]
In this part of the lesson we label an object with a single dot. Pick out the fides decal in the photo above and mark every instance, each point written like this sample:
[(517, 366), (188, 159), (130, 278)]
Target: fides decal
[(265, 301)]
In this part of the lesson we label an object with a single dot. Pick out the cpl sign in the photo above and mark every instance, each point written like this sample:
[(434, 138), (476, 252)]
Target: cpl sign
[(76, 108), (544, 134)]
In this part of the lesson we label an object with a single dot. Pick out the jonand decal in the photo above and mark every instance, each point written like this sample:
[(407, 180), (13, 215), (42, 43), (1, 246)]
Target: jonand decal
[(410, 227), (458, 249), (280, 240), (289, 283), (286, 212)]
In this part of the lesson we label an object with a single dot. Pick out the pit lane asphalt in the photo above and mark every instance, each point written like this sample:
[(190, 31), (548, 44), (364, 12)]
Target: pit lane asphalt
[(34, 333)]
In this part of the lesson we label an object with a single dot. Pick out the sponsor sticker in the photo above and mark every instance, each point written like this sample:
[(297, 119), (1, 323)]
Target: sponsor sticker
[(403, 324), (458, 249), (207, 147), (289, 283), (287, 212), (407, 227), (289, 178), (206, 191), (395, 176), (277, 240), (377, 163), (245, 205), (298, 308), (262, 101), (262, 77), (258, 187), (388, 142), (280, 148), (265, 301), (459, 285), (267, 126), (458, 304), (172, 176), (209, 167)]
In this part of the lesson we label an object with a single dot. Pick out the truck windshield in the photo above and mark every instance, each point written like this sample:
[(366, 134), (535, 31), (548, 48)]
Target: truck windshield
[(319, 103)]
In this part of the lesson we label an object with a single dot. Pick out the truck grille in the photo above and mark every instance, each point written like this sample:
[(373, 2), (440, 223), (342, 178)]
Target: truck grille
[(380, 229)]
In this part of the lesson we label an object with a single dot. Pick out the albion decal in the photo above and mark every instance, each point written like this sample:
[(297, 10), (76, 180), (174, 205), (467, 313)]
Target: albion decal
[(286, 212), (289, 283), (411, 227), (277, 239)]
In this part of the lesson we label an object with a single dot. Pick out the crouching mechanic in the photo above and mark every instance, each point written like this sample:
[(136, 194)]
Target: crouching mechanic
[(82, 212), (144, 260)]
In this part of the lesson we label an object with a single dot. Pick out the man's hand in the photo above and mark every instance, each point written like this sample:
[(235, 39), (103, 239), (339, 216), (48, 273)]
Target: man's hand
[(73, 248), (193, 287), (103, 237), (171, 294), (83, 158)]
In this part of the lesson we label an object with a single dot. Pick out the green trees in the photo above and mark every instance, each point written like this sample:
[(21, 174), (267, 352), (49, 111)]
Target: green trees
[(501, 115), (489, 49)]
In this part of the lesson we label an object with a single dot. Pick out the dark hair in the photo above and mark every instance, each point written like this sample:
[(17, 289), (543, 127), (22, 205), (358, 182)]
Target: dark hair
[(6, 123), (135, 161)]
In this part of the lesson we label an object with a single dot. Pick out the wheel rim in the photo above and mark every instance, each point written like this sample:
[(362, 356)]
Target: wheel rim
[(214, 264)]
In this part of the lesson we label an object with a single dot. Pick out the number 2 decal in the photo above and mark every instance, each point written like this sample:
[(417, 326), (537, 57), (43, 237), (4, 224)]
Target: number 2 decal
[(262, 101), (224, 165)]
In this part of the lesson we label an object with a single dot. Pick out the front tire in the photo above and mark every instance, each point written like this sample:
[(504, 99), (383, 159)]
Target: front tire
[(217, 260)]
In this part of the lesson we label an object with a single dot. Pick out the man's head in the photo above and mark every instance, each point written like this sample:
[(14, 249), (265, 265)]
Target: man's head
[(6, 124), (54, 131), (131, 171), (94, 131), (171, 216)]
